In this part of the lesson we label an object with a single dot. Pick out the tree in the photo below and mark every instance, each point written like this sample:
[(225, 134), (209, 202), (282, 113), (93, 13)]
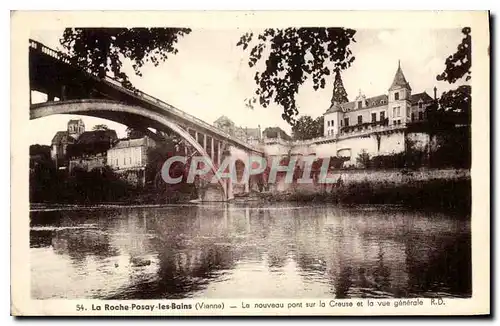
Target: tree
[(363, 158), (307, 128), (457, 104), (339, 95), (459, 63), (134, 133), (294, 55), (101, 49), (100, 127)]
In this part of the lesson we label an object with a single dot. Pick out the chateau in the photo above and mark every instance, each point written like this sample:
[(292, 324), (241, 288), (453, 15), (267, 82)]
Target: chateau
[(398, 107), (376, 125)]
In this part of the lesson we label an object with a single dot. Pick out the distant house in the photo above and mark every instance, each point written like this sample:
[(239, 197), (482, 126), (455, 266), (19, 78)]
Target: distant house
[(129, 157), (275, 133), (89, 151), (249, 135), (225, 124)]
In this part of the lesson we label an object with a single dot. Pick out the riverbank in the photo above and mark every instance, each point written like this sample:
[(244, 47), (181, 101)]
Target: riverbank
[(423, 189), (450, 194)]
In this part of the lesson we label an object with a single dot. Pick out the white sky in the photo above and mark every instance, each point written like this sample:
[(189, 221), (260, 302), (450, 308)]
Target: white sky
[(210, 77)]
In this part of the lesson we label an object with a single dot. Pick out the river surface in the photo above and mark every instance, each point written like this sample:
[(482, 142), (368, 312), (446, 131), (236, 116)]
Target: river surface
[(244, 251)]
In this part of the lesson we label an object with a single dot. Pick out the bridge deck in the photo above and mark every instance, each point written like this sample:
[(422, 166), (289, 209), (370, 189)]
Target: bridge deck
[(51, 70)]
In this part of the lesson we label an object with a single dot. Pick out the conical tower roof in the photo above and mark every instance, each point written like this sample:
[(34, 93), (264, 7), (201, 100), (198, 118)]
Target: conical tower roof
[(399, 79), (339, 94)]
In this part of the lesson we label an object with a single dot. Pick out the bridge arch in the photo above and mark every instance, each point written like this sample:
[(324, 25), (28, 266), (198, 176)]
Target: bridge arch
[(122, 113)]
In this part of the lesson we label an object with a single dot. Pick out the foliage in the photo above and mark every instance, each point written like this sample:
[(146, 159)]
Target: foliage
[(101, 49), (307, 128), (453, 149), (363, 159), (99, 185), (294, 55), (40, 150), (273, 132), (459, 63), (134, 133), (100, 127)]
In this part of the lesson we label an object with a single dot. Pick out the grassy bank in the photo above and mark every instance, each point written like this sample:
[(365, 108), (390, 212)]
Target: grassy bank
[(438, 193)]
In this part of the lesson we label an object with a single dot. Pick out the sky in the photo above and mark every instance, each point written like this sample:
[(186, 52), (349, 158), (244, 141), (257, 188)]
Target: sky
[(210, 76)]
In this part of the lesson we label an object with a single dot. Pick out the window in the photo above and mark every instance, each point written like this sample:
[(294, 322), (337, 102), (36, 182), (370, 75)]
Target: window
[(130, 160), (346, 122), (419, 105), (116, 162), (328, 123), (421, 115), (360, 105), (412, 116), (332, 123), (396, 96), (394, 112), (399, 111), (382, 115), (124, 162), (374, 117), (360, 119)]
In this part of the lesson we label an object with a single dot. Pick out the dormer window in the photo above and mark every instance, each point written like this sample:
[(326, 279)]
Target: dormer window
[(420, 104), (360, 104), (396, 96)]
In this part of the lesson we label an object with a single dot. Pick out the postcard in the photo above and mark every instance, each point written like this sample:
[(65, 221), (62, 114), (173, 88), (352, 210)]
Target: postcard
[(330, 163)]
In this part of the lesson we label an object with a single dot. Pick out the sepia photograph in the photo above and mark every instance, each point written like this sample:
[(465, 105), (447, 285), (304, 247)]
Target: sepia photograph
[(259, 162)]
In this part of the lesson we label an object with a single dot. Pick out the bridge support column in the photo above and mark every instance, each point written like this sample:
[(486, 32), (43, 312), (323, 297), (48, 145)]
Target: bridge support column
[(228, 182), (219, 154), (212, 154)]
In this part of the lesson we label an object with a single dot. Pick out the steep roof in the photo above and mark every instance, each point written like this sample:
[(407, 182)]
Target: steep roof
[(62, 136), (399, 80), (127, 143), (415, 98), (95, 136), (371, 102)]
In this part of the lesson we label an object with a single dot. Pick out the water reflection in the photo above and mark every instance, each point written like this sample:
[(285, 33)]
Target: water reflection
[(231, 251)]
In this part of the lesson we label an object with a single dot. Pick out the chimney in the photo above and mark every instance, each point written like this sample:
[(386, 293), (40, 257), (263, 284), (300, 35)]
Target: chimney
[(435, 93)]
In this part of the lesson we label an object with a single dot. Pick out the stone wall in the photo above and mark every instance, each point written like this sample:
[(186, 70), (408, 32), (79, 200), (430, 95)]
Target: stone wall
[(353, 176)]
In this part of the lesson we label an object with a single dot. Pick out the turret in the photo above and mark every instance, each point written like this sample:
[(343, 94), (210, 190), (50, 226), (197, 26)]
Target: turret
[(399, 98)]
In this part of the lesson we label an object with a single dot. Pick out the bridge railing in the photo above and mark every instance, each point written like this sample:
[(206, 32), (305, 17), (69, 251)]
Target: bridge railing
[(64, 58)]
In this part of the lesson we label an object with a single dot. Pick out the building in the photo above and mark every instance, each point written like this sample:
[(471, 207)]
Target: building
[(396, 108), (90, 149), (376, 125), (249, 135), (61, 140), (129, 158)]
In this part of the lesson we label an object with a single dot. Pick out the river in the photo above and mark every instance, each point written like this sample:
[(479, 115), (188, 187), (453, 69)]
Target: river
[(248, 251)]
